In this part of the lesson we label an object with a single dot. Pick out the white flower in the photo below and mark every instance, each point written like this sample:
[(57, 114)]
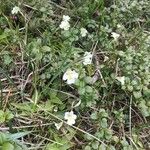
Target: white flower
[(65, 23), (70, 117), (70, 76), (58, 125), (66, 18), (115, 35), (87, 58), (83, 32), (121, 80), (15, 10)]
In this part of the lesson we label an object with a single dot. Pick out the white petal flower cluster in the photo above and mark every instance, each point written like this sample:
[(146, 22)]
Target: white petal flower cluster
[(65, 23), (70, 117), (115, 35), (87, 58), (15, 10), (121, 80), (70, 76), (83, 32)]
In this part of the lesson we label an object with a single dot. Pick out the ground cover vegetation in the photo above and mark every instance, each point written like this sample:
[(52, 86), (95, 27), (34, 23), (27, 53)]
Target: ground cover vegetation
[(74, 74)]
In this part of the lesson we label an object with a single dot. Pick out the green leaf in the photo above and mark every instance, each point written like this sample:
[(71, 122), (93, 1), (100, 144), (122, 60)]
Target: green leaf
[(3, 36), (19, 135), (124, 142), (110, 147), (95, 145), (87, 148), (7, 59), (25, 107), (8, 115), (56, 100), (115, 139), (17, 147), (102, 147), (103, 113), (88, 80), (3, 138), (103, 123), (81, 91), (100, 134), (47, 106), (108, 134), (88, 89), (137, 95), (46, 49), (7, 146), (2, 116), (52, 147), (130, 88), (94, 115)]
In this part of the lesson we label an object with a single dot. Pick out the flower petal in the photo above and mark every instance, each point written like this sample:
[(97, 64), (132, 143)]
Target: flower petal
[(15, 10), (65, 76), (66, 18), (71, 122), (58, 125), (66, 115)]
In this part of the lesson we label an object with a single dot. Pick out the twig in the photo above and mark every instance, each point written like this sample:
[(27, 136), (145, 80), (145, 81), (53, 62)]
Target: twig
[(58, 6), (116, 72), (130, 121), (30, 7), (24, 127), (8, 90), (97, 65), (12, 77), (132, 142), (6, 100)]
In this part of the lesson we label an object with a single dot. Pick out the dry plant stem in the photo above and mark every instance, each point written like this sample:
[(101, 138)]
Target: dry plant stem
[(130, 121), (131, 140), (58, 6), (24, 127), (97, 71), (8, 90), (30, 7), (27, 80), (134, 111), (6, 100), (117, 68), (12, 77)]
